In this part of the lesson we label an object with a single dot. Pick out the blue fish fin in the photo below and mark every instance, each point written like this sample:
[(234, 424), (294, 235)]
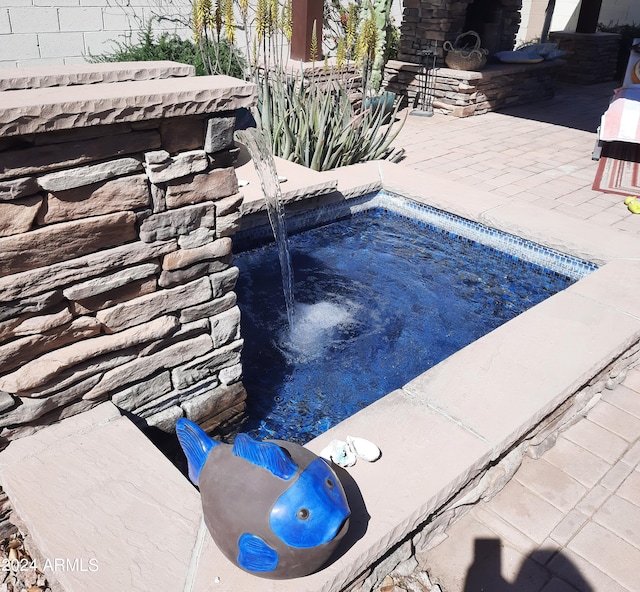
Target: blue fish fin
[(267, 455), (255, 555), (196, 446)]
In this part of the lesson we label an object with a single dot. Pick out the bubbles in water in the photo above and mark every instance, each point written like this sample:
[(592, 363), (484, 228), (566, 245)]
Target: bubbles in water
[(315, 327)]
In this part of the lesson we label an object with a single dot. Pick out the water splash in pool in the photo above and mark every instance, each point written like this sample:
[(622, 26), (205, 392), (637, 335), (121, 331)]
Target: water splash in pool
[(315, 328)]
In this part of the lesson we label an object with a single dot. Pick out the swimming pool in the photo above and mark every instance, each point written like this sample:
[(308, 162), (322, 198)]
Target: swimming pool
[(384, 293)]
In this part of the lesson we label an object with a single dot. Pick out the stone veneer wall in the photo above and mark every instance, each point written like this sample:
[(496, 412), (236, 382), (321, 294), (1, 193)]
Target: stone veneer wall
[(590, 57), (463, 93), (117, 204), (442, 20)]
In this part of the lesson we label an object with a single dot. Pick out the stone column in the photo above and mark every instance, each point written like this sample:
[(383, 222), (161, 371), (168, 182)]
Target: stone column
[(117, 207)]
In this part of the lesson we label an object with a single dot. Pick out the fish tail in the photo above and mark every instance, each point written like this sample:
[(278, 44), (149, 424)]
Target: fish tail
[(196, 446)]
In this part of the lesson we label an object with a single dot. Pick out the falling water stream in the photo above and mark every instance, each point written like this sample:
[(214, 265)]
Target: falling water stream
[(265, 167)]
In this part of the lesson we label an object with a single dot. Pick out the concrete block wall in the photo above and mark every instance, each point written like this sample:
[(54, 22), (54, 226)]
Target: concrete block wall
[(116, 279), (54, 32)]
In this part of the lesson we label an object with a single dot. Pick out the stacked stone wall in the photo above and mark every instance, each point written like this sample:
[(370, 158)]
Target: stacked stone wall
[(424, 21), (590, 57), (463, 93), (116, 274)]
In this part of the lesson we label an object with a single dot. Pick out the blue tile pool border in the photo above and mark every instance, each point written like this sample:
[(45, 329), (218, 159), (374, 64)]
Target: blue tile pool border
[(512, 245)]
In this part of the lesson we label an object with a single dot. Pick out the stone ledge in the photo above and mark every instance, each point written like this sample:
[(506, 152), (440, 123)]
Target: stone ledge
[(301, 182), (42, 77), (57, 108), (487, 73), (97, 473), (462, 93)]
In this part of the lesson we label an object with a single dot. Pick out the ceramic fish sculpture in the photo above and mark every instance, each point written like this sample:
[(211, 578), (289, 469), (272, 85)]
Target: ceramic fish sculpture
[(273, 508)]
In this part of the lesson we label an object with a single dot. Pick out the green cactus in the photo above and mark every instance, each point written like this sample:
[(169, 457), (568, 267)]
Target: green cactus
[(381, 11)]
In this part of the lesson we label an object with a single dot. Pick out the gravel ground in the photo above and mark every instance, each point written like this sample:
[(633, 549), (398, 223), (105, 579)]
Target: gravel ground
[(418, 581), (18, 572)]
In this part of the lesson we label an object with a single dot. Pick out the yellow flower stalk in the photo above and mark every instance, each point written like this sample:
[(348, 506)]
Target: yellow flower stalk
[(352, 25), (200, 17), (368, 39), (244, 9), (262, 19), (341, 53), (287, 19), (228, 20), (313, 50)]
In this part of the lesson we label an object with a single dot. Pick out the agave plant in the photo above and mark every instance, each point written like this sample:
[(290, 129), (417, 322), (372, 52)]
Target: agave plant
[(315, 124), (310, 122)]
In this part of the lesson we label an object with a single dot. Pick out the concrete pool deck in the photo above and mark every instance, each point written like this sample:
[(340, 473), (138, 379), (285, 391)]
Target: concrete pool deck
[(111, 496)]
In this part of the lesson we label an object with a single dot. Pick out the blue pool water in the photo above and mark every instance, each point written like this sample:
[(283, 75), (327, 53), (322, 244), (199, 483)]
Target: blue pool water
[(379, 299)]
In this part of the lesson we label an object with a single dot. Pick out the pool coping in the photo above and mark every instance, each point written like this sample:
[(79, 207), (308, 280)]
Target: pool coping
[(450, 437)]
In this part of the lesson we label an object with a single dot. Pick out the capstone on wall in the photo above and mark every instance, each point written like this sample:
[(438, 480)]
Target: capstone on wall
[(116, 274), (46, 32)]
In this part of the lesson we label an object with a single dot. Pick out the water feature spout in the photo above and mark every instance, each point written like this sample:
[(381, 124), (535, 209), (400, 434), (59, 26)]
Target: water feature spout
[(265, 167)]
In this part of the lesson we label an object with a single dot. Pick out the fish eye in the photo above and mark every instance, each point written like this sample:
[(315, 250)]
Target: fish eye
[(329, 483), (303, 514)]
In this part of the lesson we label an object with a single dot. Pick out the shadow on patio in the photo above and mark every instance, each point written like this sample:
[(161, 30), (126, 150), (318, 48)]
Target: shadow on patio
[(574, 106), (541, 570)]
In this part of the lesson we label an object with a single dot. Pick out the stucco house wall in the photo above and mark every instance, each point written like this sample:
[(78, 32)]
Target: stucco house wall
[(565, 15)]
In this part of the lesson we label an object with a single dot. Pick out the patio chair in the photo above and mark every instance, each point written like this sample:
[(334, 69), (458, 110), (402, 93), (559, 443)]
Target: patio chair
[(621, 121)]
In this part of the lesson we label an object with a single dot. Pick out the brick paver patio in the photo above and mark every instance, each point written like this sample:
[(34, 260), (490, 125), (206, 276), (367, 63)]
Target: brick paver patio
[(567, 522), (538, 153)]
